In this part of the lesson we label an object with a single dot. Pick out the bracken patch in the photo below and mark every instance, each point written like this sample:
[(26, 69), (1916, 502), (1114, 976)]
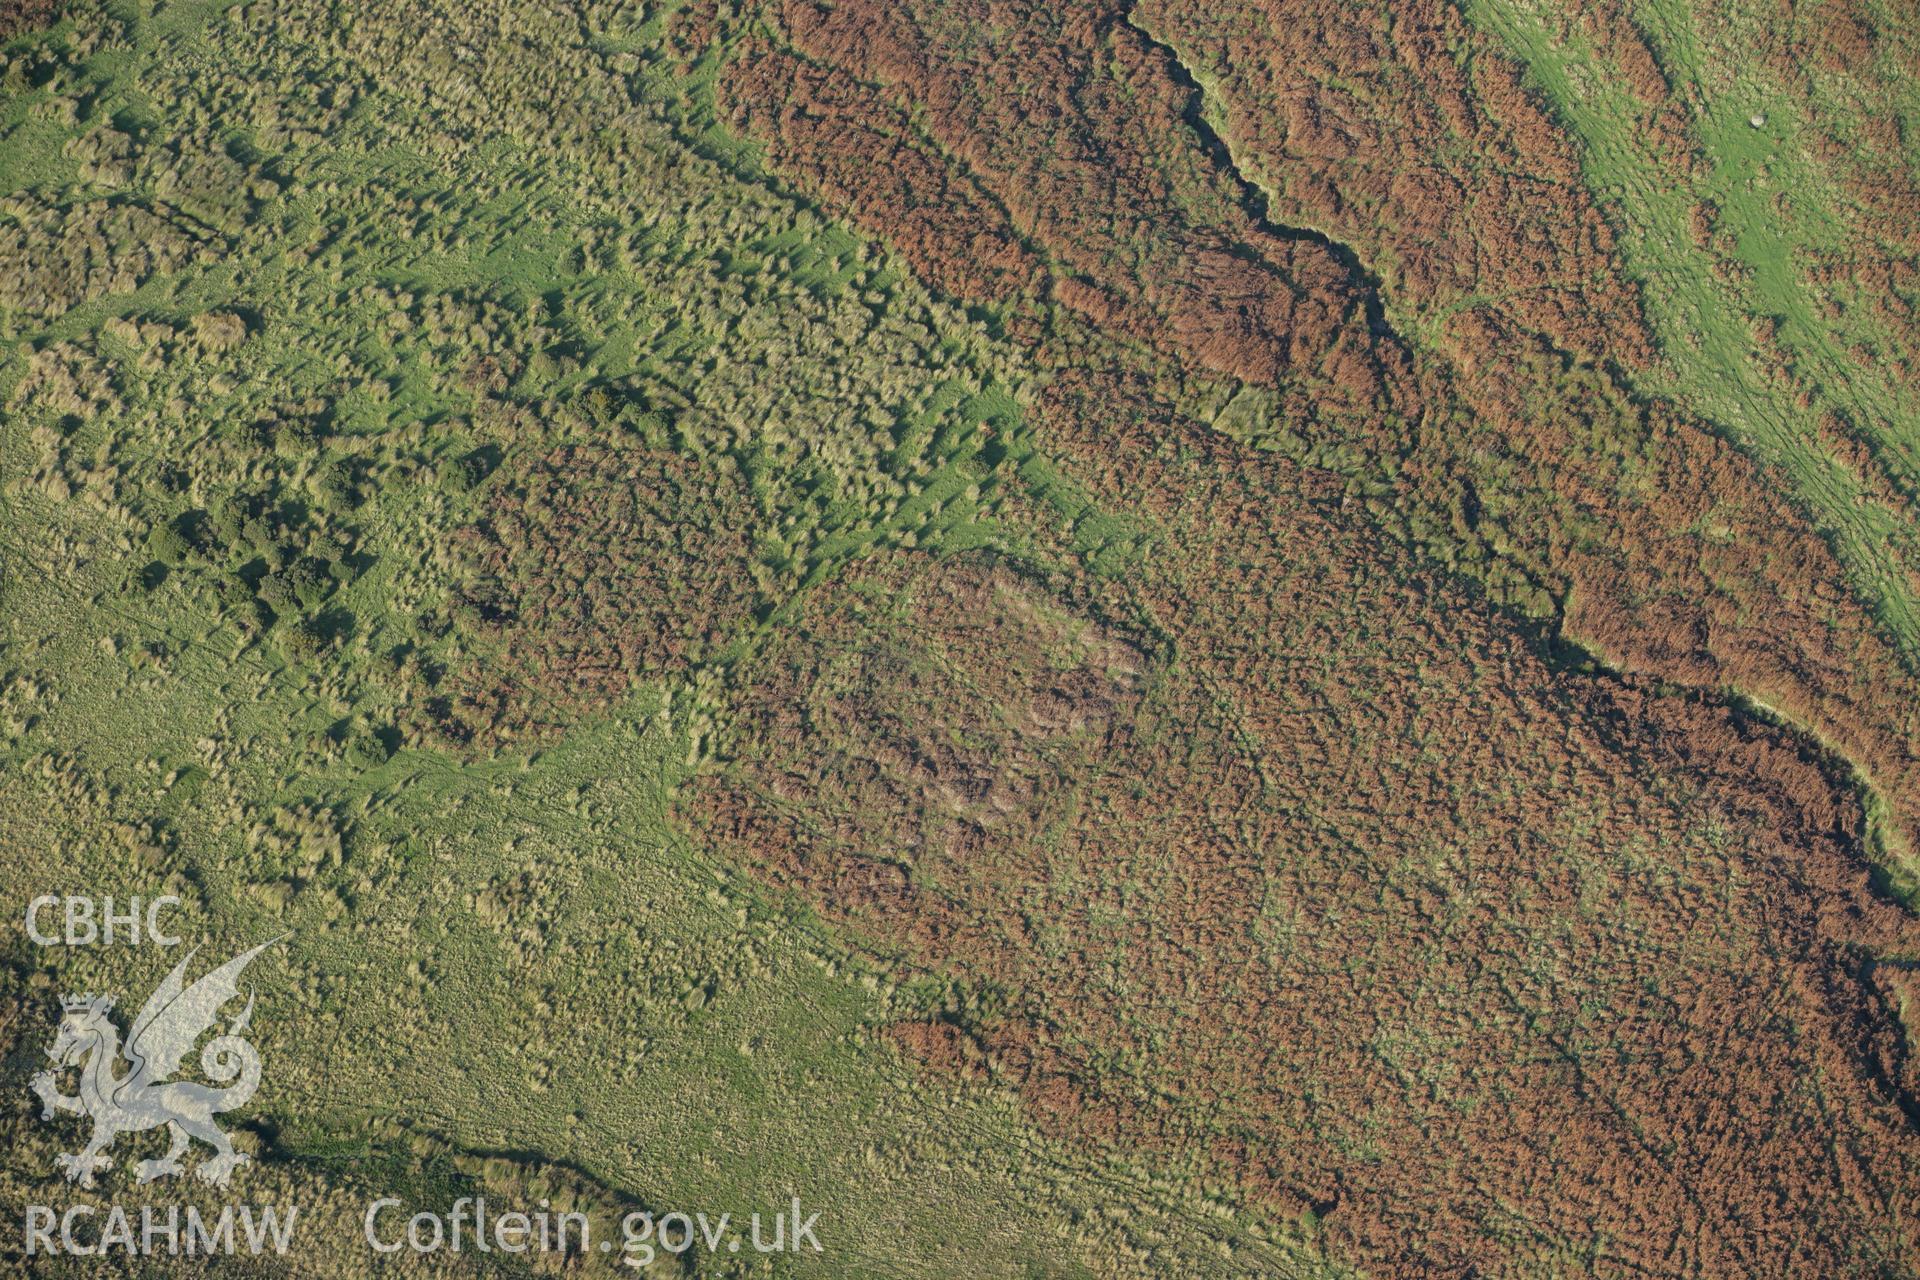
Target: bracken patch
[(592, 567)]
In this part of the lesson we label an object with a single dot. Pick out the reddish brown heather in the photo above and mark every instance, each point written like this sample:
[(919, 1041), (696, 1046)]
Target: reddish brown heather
[(866, 154), (1063, 118), (1391, 130), (1317, 868), (1301, 857), (1068, 130)]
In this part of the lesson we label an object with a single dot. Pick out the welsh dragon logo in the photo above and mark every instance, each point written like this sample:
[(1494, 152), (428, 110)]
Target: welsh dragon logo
[(143, 1097)]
